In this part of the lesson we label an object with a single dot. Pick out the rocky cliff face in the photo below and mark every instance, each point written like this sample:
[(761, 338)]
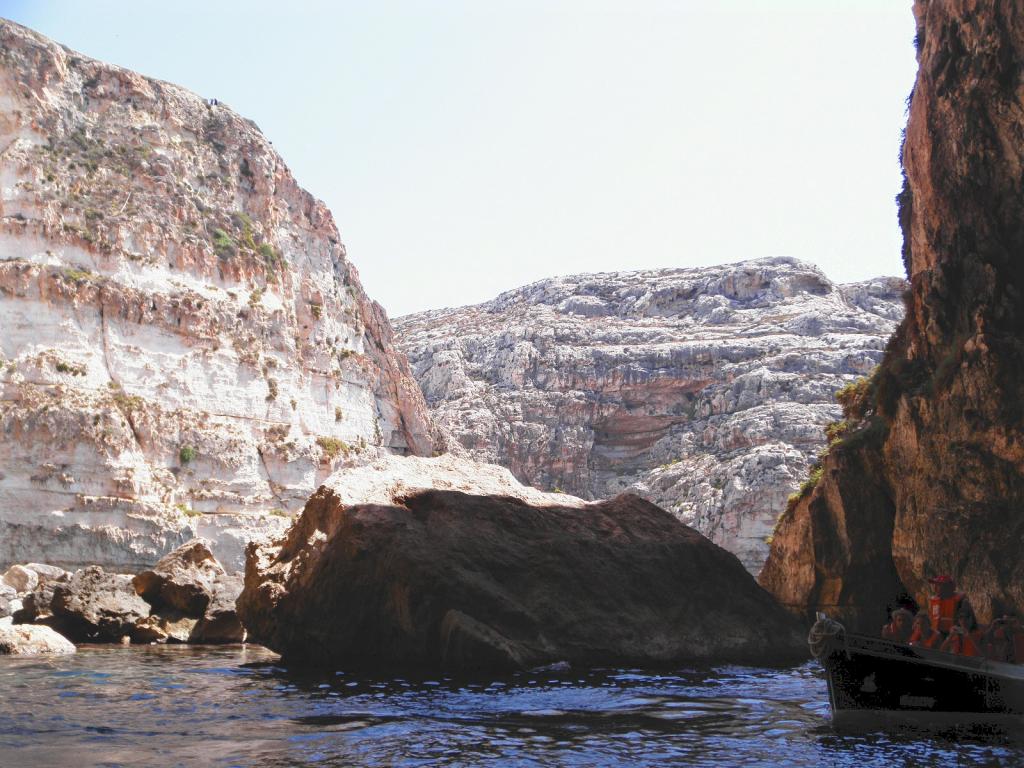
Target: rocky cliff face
[(930, 476), (703, 390), (184, 347)]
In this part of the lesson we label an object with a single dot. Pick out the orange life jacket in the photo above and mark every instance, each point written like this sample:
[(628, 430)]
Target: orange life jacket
[(934, 640), (966, 645), (943, 611)]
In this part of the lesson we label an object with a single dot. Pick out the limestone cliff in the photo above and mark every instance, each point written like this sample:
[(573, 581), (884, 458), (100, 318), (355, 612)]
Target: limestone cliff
[(703, 390), (930, 475), (184, 347)]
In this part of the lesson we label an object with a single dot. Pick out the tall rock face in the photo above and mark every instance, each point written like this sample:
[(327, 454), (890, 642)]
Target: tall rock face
[(703, 390), (184, 347), (930, 477)]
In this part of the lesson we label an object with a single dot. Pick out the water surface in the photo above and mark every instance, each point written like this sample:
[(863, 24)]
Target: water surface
[(232, 706)]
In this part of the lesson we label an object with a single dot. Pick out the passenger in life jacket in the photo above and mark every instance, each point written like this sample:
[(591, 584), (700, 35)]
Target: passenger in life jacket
[(966, 637), (923, 635), (900, 626), (944, 603), (1004, 640)]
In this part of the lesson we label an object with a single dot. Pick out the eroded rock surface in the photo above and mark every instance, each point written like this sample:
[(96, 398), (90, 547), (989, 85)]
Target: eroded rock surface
[(20, 578), (95, 606), (32, 640), (185, 348), (930, 476), (220, 623), (442, 579), (182, 580), (704, 390)]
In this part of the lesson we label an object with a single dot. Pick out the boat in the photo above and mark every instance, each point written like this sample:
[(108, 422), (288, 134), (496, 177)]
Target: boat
[(871, 679)]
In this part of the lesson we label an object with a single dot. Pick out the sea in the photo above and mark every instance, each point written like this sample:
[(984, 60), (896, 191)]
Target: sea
[(236, 706)]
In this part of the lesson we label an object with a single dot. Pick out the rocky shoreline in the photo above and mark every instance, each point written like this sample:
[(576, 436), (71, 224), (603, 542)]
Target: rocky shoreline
[(186, 597), (429, 564)]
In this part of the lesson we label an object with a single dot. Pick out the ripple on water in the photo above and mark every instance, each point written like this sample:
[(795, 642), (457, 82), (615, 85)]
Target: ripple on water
[(235, 707)]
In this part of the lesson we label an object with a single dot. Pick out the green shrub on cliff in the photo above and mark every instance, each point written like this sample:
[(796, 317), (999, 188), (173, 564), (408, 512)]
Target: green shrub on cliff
[(186, 454), (858, 397), (835, 430), (222, 243), (812, 480)]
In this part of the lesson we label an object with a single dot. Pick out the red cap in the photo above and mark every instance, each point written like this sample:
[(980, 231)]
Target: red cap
[(943, 579)]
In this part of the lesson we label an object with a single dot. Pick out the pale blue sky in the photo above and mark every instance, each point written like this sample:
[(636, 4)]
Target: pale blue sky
[(470, 146)]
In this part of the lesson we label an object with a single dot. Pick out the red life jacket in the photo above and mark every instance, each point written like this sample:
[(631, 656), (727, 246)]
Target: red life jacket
[(943, 611)]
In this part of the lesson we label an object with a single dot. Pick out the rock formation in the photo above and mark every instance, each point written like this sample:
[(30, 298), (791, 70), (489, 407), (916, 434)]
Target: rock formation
[(32, 640), (181, 580), (184, 347), (94, 606), (472, 582), (703, 390), (186, 598), (929, 475)]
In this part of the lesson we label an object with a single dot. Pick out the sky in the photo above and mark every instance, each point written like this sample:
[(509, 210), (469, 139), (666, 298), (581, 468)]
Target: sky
[(467, 147)]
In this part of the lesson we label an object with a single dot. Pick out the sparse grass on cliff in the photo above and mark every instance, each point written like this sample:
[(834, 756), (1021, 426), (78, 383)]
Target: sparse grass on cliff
[(187, 511), (123, 401), (75, 369), (77, 275), (332, 447)]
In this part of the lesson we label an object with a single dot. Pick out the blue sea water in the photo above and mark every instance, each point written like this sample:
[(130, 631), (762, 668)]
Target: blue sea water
[(233, 706)]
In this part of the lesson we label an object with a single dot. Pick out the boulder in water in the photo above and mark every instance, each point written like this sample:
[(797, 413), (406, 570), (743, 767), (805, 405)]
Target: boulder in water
[(95, 606), (220, 624), (450, 580), (32, 640), (182, 581)]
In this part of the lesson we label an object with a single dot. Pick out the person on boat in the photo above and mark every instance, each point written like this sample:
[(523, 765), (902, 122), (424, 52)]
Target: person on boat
[(900, 626), (966, 637), (944, 603), (1004, 640), (923, 635)]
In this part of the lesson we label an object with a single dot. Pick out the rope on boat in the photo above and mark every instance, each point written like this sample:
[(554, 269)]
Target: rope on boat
[(824, 631)]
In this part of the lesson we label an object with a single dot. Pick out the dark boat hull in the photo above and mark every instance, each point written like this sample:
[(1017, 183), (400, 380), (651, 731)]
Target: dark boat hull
[(871, 679)]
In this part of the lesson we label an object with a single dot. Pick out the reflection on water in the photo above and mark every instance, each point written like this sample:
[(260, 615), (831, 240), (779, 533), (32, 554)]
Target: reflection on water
[(233, 707)]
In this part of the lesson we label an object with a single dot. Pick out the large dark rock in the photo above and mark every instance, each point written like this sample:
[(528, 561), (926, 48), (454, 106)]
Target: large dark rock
[(36, 606), (463, 582), (182, 581), (220, 623), (95, 606)]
